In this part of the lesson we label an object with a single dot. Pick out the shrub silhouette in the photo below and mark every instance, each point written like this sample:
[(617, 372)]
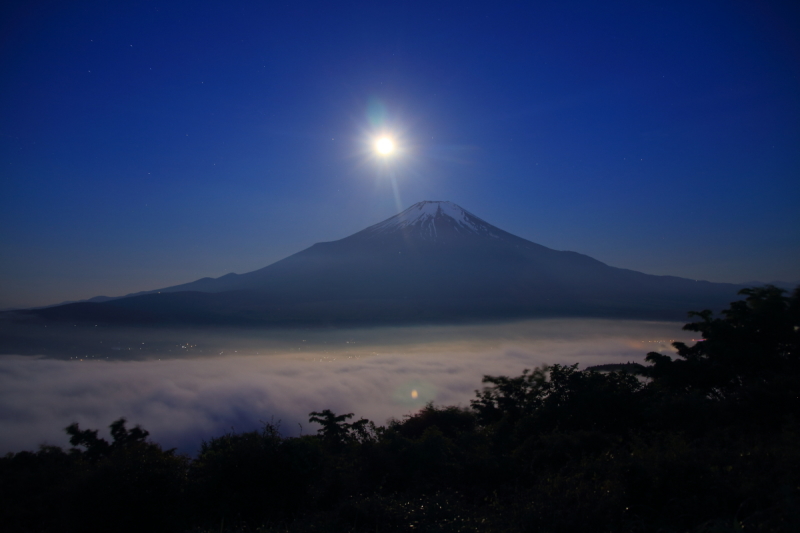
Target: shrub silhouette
[(248, 477)]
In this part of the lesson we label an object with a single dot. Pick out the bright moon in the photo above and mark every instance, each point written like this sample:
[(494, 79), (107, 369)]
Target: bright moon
[(384, 146)]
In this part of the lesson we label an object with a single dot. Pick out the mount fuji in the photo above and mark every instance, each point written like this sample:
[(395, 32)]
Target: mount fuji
[(435, 261)]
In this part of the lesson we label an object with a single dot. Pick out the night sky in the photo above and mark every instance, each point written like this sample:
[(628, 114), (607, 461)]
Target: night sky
[(145, 144)]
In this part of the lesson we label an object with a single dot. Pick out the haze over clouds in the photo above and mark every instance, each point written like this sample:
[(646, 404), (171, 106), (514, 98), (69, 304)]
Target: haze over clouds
[(370, 372)]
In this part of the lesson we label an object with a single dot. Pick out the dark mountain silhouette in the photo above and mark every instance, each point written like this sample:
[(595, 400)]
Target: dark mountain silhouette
[(433, 261)]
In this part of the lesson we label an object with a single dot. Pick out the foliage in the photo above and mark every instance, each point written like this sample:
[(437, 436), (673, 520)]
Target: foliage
[(97, 448), (335, 431), (756, 340), (126, 485), (559, 397), (239, 478), (703, 442)]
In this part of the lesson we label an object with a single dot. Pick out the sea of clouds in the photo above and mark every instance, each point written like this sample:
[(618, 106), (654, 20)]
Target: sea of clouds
[(375, 373)]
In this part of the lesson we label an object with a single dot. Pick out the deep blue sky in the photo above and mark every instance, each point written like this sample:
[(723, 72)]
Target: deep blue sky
[(145, 144)]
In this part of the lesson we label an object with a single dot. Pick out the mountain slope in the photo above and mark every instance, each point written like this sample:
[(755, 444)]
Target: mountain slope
[(434, 260)]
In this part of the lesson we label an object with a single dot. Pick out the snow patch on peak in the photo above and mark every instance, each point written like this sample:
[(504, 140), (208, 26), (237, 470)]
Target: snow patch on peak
[(426, 214)]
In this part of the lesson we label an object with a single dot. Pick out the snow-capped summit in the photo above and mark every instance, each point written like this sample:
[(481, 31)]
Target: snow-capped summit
[(428, 219)]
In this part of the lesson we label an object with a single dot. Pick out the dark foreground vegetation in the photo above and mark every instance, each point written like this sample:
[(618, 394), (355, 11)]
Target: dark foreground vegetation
[(707, 441)]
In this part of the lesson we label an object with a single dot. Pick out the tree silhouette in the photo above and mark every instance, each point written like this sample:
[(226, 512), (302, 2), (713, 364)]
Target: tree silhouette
[(335, 431), (754, 341), (96, 447)]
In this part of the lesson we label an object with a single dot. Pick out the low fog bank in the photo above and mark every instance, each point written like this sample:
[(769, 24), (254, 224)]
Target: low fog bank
[(234, 380)]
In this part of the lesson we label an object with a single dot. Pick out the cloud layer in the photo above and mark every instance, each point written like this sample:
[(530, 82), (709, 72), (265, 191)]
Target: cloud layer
[(387, 373)]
